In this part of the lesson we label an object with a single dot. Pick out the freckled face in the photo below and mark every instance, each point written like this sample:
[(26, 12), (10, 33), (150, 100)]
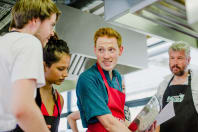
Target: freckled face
[(107, 52)]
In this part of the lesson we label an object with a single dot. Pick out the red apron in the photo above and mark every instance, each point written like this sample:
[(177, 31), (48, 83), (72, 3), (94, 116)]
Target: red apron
[(116, 101)]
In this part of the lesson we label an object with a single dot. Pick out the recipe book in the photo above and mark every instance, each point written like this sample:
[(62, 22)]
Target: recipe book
[(150, 113)]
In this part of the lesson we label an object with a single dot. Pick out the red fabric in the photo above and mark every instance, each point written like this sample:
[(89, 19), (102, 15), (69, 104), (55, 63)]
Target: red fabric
[(116, 101), (44, 110), (133, 126)]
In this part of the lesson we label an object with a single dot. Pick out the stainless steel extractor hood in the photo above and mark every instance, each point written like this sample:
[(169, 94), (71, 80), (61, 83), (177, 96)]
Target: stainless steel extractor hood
[(169, 19)]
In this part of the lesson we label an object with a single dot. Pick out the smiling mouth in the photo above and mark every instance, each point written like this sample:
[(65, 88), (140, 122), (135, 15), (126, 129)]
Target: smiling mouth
[(62, 80), (107, 62)]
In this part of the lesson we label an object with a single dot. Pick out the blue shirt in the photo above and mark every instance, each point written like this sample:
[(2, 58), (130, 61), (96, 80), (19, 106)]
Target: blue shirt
[(92, 97)]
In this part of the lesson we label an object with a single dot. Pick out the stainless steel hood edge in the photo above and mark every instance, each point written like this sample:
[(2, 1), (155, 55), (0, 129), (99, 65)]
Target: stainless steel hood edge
[(166, 31)]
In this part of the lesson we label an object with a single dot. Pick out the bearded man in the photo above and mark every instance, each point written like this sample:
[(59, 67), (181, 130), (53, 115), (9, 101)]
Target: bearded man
[(182, 88)]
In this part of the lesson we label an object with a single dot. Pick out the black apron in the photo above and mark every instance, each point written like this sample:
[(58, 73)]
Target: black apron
[(186, 117), (50, 120)]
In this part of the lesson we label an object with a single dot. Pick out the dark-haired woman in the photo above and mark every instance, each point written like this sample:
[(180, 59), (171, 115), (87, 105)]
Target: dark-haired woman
[(56, 62)]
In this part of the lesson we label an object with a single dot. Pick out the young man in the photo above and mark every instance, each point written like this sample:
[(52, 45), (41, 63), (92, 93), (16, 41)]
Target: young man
[(74, 116), (182, 88), (21, 64), (99, 93)]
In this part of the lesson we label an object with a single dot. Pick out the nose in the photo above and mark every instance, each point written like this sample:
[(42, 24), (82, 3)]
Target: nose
[(65, 74), (52, 33), (106, 54), (174, 62)]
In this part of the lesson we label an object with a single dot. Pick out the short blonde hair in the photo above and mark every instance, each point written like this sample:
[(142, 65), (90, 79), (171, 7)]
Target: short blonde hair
[(109, 32), (25, 10)]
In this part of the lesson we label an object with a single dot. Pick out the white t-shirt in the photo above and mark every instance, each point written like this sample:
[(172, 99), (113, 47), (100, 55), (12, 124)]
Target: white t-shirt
[(21, 57)]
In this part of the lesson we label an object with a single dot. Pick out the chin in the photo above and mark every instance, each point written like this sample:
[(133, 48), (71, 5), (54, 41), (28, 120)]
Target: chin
[(179, 73), (44, 43), (107, 68), (58, 83)]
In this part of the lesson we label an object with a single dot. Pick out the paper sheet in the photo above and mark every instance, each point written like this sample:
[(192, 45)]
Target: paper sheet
[(166, 113)]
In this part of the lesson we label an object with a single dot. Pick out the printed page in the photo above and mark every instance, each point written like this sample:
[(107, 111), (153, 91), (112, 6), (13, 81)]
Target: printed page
[(166, 113)]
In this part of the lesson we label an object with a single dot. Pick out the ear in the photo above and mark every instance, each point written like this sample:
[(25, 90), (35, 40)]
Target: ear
[(33, 21), (121, 50), (35, 24), (36, 21)]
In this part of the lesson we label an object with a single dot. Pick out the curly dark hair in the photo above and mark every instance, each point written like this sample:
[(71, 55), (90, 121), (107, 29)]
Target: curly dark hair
[(53, 48)]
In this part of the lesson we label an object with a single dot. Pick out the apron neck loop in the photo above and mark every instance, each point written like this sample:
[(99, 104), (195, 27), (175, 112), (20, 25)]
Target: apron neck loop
[(189, 78), (103, 75), (55, 100)]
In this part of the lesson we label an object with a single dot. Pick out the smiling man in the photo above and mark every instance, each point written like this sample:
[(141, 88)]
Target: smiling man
[(182, 88), (99, 89)]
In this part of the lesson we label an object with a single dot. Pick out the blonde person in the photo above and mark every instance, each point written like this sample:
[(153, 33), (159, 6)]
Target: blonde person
[(21, 64)]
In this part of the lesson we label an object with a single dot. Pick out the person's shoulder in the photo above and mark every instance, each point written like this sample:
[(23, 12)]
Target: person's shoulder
[(194, 75), (167, 77), (26, 41), (89, 73), (19, 35), (31, 39), (88, 79), (164, 81), (15, 37)]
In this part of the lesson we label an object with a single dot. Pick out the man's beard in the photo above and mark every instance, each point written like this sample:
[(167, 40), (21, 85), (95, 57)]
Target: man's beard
[(180, 72)]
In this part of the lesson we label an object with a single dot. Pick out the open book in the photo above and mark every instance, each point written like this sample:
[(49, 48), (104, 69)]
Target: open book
[(150, 113)]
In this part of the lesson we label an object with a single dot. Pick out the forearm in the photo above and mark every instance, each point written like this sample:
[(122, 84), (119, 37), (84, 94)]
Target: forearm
[(24, 108), (30, 119), (73, 125), (72, 118), (111, 124)]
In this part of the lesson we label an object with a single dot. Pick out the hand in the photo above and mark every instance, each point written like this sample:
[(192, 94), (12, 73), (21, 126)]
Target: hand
[(152, 128)]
